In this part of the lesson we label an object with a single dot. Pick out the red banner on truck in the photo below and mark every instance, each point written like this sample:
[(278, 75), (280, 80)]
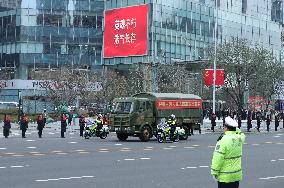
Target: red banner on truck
[(126, 32), (178, 104)]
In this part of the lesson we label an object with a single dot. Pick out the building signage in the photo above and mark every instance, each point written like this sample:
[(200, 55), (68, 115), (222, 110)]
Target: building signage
[(126, 32), (42, 85), (178, 104)]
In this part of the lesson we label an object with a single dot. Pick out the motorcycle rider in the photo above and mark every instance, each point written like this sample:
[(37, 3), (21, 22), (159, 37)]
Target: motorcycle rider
[(99, 122), (171, 121)]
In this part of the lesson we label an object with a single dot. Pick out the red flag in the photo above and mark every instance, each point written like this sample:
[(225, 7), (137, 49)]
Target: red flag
[(208, 77)]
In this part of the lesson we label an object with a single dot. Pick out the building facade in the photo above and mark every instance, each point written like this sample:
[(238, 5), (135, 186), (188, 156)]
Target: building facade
[(37, 34), (181, 30)]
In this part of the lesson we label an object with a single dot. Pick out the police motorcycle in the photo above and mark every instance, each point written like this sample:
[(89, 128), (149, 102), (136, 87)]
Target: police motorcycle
[(90, 130), (164, 132)]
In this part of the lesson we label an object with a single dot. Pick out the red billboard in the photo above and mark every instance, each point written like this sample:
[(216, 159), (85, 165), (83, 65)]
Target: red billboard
[(209, 74), (178, 104), (126, 32)]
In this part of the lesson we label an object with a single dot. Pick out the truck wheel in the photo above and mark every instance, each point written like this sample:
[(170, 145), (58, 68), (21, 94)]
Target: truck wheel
[(185, 137), (121, 136), (145, 134)]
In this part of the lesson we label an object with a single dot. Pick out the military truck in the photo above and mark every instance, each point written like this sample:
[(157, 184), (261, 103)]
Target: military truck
[(139, 115)]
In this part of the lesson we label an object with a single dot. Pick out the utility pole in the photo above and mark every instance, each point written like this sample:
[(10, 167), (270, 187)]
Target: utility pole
[(215, 58)]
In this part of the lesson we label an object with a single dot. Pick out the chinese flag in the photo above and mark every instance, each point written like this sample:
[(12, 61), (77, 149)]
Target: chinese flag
[(208, 77)]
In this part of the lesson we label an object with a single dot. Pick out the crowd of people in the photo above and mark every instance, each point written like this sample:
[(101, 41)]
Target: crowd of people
[(260, 116), (65, 120)]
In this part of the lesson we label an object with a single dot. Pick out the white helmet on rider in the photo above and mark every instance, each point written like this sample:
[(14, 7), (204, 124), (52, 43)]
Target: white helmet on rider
[(100, 115), (173, 116)]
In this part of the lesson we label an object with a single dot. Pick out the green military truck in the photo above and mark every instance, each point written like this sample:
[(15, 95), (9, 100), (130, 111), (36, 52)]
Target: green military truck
[(139, 115)]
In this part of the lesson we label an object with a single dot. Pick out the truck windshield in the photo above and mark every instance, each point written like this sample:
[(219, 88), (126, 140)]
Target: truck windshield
[(123, 107)]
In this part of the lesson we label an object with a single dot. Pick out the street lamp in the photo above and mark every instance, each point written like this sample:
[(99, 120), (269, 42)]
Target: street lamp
[(20, 104), (215, 58)]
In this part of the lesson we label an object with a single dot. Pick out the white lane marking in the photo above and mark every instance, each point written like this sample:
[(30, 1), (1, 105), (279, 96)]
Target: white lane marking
[(203, 166), (255, 144), (16, 166), (118, 144), (103, 151), (195, 145), (148, 149), (273, 177), (51, 133), (167, 148), (61, 153), (56, 151), (3, 148), (125, 148), (38, 154), (182, 168), (31, 147), (28, 133), (58, 179), (10, 153), (34, 152), (188, 147), (281, 159), (71, 133), (129, 159), (18, 155), (64, 178), (2, 167), (268, 142), (277, 136), (145, 158), (88, 176), (172, 146), (191, 167), (272, 160), (73, 142), (279, 143), (211, 146), (80, 150), (84, 152), (30, 140)]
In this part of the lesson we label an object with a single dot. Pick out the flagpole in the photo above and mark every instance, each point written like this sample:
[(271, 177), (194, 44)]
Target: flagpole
[(215, 58)]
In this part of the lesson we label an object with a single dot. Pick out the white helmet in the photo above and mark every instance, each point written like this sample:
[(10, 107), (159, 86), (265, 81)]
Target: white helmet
[(173, 116), (100, 115)]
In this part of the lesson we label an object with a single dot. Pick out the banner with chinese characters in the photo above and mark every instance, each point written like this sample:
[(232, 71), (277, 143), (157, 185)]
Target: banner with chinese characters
[(178, 104), (126, 32)]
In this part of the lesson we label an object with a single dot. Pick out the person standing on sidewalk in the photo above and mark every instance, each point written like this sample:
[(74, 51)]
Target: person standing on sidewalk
[(24, 124), (226, 166), (258, 121), (6, 126), (268, 120), (63, 119), (82, 123), (213, 122), (277, 120), (239, 121), (40, 125), (249, 125)]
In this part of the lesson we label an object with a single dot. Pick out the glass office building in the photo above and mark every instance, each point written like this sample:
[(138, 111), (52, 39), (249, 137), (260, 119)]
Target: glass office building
[(49, 33), (181, 30)]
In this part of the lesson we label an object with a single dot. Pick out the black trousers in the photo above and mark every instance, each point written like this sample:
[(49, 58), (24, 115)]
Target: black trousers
[(81, 130), (6, 132), (258, 127), (172, 131), (228, 185), (40, 133), (24, 133), (267, 127), (62, 134)]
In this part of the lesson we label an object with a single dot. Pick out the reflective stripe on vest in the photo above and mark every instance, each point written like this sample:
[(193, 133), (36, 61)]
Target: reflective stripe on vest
[(233, 157), (231, 172)]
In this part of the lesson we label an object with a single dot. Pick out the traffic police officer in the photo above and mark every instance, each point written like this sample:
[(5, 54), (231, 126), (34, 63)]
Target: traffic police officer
[(171, 121), (226, 162), (99, 122)]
